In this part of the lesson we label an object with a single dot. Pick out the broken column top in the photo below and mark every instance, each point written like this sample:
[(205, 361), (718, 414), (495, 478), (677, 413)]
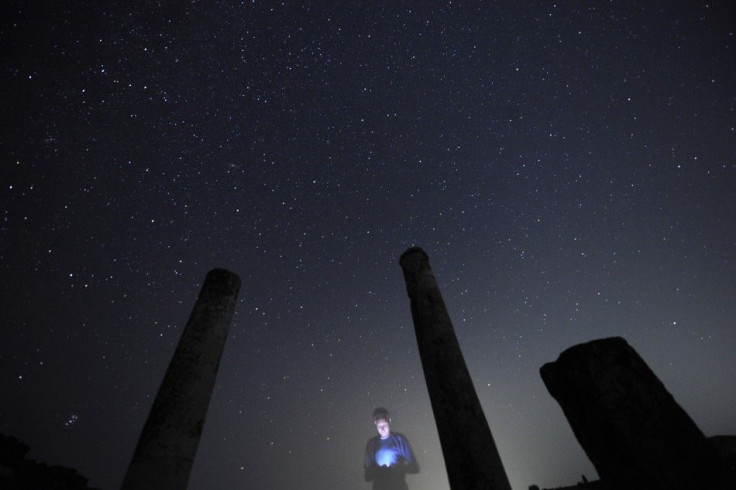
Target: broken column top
[(221, 282), (588, 351), (415, 263), (412, 258)]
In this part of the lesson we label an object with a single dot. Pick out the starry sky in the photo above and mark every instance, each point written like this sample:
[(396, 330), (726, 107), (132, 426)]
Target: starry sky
[(570, 168)]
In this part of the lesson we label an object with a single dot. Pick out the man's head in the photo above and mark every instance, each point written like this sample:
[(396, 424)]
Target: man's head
[(382, 421)]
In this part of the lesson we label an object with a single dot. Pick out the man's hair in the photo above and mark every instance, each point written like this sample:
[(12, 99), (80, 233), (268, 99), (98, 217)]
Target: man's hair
[(381, 414)]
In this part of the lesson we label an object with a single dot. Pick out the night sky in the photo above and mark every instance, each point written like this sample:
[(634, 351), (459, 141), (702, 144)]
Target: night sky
[(569, 168)]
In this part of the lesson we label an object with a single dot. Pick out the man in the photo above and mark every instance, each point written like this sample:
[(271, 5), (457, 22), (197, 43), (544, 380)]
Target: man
[(388, 456)]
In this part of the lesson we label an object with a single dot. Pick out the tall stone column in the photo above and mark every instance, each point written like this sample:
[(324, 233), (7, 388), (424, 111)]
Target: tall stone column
[(168, 443), (471, 456), (630, 426)]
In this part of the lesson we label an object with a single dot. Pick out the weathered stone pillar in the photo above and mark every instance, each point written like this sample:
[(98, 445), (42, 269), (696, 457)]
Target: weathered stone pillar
[(168, 443), (471, 457), (630, 426)]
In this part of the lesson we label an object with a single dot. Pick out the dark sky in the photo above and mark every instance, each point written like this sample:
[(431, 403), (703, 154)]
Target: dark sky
[(570, 169)]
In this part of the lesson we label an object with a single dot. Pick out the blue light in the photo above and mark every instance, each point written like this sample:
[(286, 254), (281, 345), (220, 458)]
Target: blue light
[(385, 457)]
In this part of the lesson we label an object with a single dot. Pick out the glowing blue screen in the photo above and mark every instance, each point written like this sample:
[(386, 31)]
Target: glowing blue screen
[(386, 456)]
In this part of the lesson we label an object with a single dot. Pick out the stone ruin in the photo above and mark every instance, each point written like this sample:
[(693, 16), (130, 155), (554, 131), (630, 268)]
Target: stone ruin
[(630, 426), (471, 457), (168, 443), (18, 472)]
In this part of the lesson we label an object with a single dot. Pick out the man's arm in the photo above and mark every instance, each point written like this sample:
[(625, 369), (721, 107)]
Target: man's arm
[(411, 466), (369, 464)]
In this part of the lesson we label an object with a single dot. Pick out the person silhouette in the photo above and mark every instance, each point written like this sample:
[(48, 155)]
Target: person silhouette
[(388, 455)]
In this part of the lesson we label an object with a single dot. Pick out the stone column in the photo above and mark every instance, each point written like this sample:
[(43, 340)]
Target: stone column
[(471, 457), (168, 443), (630, 426)]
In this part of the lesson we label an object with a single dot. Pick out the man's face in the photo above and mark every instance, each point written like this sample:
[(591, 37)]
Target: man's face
[(382, 426)]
